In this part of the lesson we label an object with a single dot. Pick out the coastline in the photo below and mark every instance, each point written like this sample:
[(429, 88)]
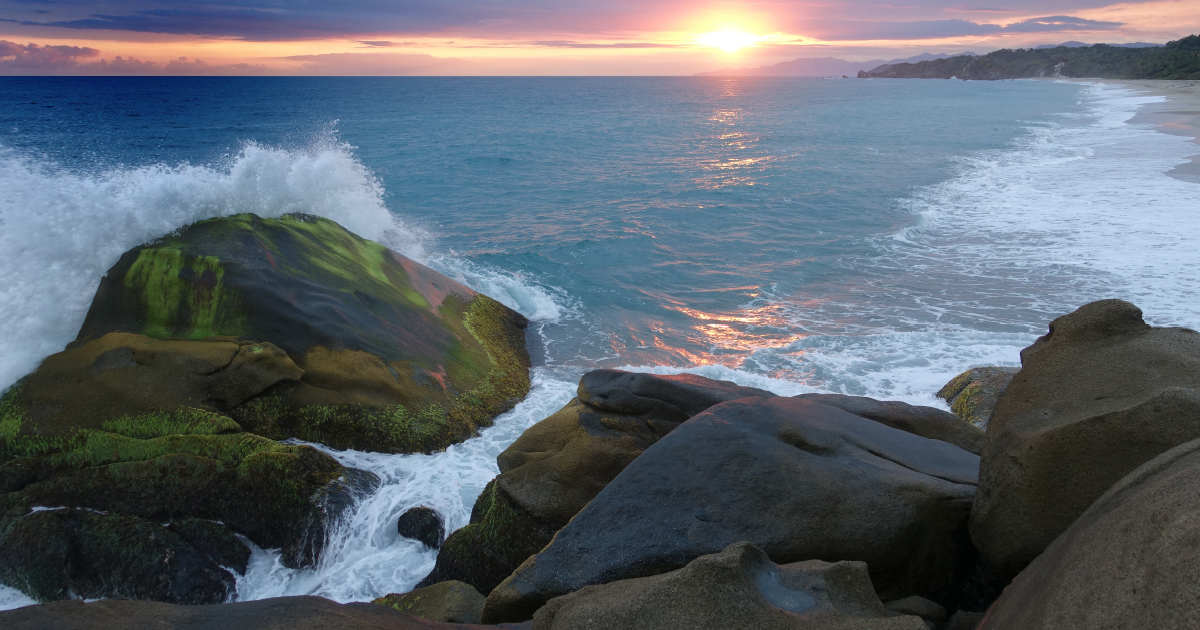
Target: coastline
[(1178, 115)]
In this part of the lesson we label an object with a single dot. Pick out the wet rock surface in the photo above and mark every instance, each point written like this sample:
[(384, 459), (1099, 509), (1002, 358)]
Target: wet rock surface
[(870, 493), (1099, 395), (451, 601), (1132, 560), (422, 524), (738, 587)]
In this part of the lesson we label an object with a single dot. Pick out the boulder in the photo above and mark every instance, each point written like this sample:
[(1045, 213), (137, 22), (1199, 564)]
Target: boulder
[(796, 478), (920, 607), (375, 351), (1132, 560), (1099, 395), (963, 620), (445, 601), (422, 524), (279, 613), (928, 422), (737, 588), (64, 553), (973, 394), (215, 540), (559, 464)]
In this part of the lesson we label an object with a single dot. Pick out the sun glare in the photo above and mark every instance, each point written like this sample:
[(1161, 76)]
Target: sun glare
[(729, 41)]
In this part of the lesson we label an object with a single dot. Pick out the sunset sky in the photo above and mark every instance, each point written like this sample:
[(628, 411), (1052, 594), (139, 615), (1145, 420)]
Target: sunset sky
[(541, 37)]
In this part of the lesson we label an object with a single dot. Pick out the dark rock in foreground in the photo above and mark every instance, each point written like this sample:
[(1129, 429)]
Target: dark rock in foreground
[(280, 613), (559, 464), (452, 601), (1131, 561), (1097, 396), (927, 422), (422, 524), (798, 479), (736, 588)]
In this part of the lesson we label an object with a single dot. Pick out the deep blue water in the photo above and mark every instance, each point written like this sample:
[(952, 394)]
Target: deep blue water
[(862, 236)]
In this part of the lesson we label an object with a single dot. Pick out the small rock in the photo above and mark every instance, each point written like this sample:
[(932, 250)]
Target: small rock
[(919, 606), (452, 601), (423, 524), (964, 620), (973, 394), (737, 588)]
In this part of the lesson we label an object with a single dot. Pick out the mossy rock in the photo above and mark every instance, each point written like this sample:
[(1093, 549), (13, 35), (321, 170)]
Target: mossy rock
[(452, 601), (382, 353), (973, 394), (498, 539), (54, 554)]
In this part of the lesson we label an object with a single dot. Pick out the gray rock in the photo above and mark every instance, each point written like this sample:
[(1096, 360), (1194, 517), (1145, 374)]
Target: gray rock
[(796, 478), (422, 524), (452, 601), (1097, 396), (919, 606), (973, 394), (1132, 560), (559, 464), (928, 422), (963, 620), (737, 588)]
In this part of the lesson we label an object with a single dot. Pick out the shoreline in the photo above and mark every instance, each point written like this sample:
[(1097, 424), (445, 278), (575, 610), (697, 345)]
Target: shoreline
[(1178, 115)]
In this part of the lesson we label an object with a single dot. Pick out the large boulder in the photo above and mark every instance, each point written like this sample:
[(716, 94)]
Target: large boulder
[(973, 394), (445, 601), (1097, 396), (559, 464), (928, 422), (737, 588), (796, 478), (1132, 560), (278, 613), (368, 349)]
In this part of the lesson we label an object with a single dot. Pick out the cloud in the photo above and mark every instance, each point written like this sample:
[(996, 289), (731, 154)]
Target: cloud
[(859, 30), (32, 56), (379, 43), (962, 8), (376, 64), (569, 44)]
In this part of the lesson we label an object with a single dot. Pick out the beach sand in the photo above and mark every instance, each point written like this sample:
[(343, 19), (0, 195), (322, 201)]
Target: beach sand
[(1178, 115)]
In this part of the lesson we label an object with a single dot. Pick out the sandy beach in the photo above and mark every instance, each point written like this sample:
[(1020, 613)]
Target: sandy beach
[(1179, 115)]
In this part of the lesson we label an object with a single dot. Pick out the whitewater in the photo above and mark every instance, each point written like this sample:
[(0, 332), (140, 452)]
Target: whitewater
[(1074, 207)]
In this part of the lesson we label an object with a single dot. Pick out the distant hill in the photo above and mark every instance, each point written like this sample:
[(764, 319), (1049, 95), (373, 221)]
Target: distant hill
[(1075, 44), (819, 67), (1174, 60)]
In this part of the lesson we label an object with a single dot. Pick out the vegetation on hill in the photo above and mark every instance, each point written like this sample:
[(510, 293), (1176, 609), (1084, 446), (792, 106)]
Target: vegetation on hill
[(1176, 60)]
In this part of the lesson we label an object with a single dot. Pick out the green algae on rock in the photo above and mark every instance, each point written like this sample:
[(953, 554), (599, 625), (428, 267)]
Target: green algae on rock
[(293, 327)]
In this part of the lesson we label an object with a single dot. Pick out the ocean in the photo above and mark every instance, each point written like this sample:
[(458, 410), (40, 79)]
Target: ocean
[(867, 237)]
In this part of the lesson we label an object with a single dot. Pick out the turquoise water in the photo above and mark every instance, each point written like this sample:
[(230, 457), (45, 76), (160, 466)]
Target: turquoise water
[(869, 237)]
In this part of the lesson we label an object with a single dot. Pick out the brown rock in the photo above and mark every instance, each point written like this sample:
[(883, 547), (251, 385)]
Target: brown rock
[(1132, 560), (1099, 395), (927, 422), (452, 601), (973, 394), (736, 588), (279, 613)]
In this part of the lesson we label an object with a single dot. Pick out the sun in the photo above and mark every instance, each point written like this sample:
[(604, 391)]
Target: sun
[(729, 41)]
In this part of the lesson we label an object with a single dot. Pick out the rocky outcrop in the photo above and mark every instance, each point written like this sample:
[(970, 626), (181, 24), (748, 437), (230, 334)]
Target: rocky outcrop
[(927, 422), (452, 601), (422, 524), (738, 587), (53, 554), (361, 347), (1132, 560), (559, 464), (973, 394), (1097, 396), (280, 613), (798, 479)]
